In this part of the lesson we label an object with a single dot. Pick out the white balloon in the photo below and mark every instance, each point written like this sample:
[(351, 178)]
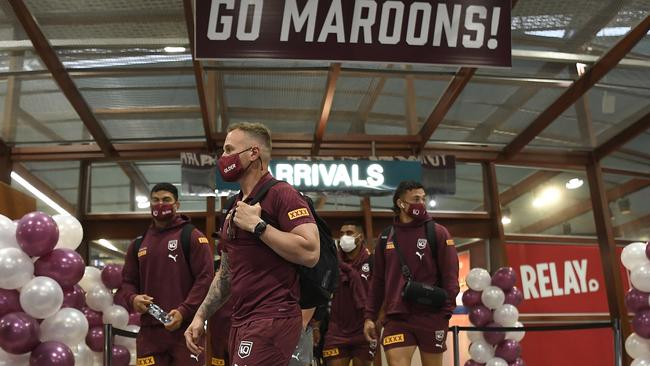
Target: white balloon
[(8, 233), (478, 279), (475, 337), (127, 342), (70, 231), (41, 297), (493, 297), (641, 362), (506, 315), (83, 356), (481, 352), (9, 359), (637, 346), (496, 361), (116, 315), (634, 255), (16, 268), (516, 336), (98, 358), (92, 277), (99, 298), (68, 325), (640, 277)]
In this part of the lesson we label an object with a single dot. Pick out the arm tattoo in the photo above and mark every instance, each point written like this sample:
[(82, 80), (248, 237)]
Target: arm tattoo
[(219, 291)]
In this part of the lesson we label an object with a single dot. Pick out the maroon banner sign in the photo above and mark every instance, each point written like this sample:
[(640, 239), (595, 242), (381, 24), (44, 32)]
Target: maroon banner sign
[(454, 32)]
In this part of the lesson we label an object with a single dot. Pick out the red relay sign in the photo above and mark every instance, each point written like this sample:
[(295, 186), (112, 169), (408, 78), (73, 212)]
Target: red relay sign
[(560, 278)]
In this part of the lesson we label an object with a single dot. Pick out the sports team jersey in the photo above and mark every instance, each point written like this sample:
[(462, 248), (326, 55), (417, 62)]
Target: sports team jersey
[(388, 281), (162, 272), (265, 285)]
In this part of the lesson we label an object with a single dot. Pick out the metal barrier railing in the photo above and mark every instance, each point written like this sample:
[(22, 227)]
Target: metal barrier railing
[(109, 332), (615, 326)]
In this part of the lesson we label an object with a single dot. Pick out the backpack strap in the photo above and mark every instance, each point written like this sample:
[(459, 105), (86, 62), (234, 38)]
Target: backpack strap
[(383, 238), (258, 198), (432, 238)]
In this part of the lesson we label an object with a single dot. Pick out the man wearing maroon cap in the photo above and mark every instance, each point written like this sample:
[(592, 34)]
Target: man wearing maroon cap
[(262, 245), (410, 324), (344, 340), (157, 272)]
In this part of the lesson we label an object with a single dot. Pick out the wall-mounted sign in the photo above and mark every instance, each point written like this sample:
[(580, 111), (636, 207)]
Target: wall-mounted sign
[(458, 32), (198, 174)]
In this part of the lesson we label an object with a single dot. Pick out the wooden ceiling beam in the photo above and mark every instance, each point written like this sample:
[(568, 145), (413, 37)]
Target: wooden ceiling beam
[(326, 106), (578, 88), (38, 126)]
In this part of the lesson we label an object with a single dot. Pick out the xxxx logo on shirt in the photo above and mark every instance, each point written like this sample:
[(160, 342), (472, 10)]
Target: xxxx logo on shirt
[(142, 252), (301, 212), (146, 361), (218, 361), (331, 352), (396, 338)]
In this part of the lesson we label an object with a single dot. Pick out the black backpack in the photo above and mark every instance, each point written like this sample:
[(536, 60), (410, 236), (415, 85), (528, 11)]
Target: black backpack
[(186, 238), (317, 284)]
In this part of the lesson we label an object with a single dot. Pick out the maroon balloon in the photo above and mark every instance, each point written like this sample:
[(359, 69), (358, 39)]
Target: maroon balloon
[(95, 339), (112, 276), (18, 333), (480, 315), (9, 302), (74, 297), (121, 356), (51, 353), (494, 338), (518, 362), (647, 250), (641, 323), (471, 362), (509, 350), (636, 300), (471, 298), (37, 233), (504, 278), (514, 296), (64, 266), (94, 317), (134, 319)]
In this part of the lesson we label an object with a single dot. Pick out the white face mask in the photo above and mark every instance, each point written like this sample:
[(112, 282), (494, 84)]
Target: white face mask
[(347, 243)]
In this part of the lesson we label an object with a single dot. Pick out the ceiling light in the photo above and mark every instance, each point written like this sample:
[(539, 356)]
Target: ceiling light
[(141, 199), (174, 49), (107, 244), (505, 216), (40, 195), (432, 203), (580, 68), (548, 196), (574, 183), (143, 204)]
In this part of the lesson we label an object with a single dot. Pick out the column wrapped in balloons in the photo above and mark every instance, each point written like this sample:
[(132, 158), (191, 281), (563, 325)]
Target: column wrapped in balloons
[(51, 305), (492, 302), (636, 259)]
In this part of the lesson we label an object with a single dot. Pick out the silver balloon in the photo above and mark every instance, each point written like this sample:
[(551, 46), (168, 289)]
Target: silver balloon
[(633, 255), (493, 297), (98, 358), (116, 315), (127, 342), (83, 356), (506, 315), (70, 231), (92, 277), (640, 277), (516, 336), (637, 346), (641, 362), (68, 325), (41, 297), (16, 268), (99, 298), (478, 279), (496, 361), (8, 233), (475, 336), (9, 359), (481, 351)]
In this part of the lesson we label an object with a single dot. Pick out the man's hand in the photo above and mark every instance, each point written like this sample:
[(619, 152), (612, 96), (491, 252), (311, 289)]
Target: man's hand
[(193, 335), (246, 216), (140, 303), (177, 320), (370, 331)]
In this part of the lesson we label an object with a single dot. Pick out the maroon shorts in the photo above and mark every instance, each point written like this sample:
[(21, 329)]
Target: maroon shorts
[(338, 346), (157, 346), (264, 342), (429, 334), (219, 333)]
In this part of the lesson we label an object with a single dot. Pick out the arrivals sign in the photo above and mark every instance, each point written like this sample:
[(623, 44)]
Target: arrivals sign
[(456, 32), (560, 278)]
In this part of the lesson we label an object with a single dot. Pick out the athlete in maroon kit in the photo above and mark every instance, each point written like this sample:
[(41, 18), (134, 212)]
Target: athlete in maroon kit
[(409, 325), (263, 242), (159, 273), (344, 340)]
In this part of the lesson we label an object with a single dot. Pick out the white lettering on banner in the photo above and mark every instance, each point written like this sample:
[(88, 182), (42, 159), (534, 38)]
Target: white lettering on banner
[(425, 24), (334, 175), (536, 280)]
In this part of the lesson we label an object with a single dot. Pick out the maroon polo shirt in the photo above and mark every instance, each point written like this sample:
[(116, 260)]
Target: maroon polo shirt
[(162, 272), (388, 282), (265, 285)]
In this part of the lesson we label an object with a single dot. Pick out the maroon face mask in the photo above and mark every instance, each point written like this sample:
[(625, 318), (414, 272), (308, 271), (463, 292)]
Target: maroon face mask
[(417, 211), (162, 211), (230, 166)]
